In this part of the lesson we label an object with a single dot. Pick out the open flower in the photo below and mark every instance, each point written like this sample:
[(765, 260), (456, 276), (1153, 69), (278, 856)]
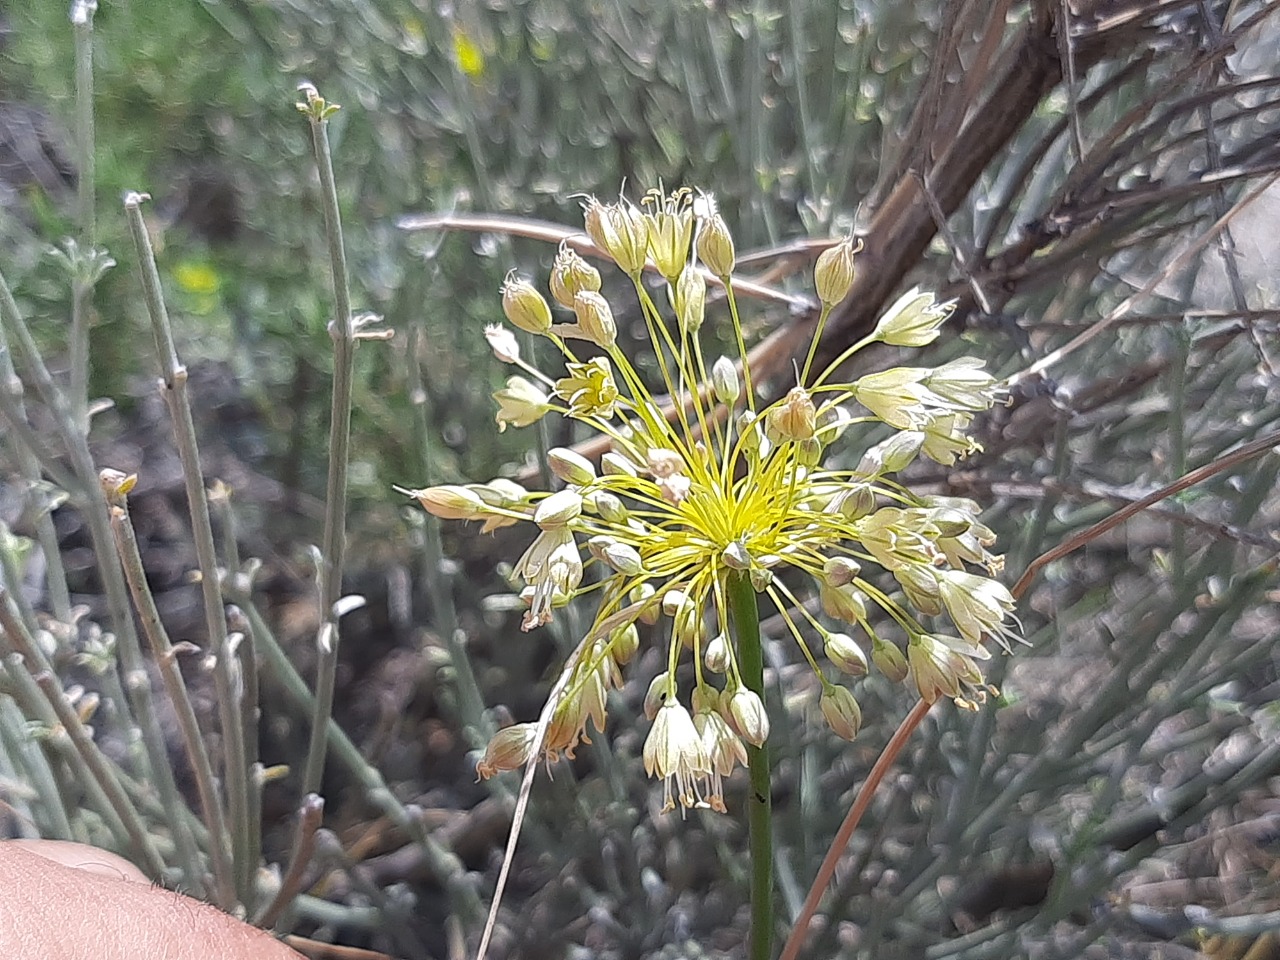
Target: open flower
[(725, 488)]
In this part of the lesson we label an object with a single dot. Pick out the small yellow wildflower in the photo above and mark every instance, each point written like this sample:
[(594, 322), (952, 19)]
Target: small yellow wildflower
[(726, 487)]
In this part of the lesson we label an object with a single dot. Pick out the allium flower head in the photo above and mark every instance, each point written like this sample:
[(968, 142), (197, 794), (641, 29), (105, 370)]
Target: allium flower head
[(727, 488)]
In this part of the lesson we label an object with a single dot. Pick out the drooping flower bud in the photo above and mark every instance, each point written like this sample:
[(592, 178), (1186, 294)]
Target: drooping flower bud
[(524, 306), (841, 711), (837, 571), (508, 749), (715, 656), (891, 455), (888, 660), (646, 594), (843, 651), (744, 711), (614, 464), (623, 644)]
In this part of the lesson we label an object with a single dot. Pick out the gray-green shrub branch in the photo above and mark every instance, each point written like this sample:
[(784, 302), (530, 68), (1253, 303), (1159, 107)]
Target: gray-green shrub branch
[(174, 379)]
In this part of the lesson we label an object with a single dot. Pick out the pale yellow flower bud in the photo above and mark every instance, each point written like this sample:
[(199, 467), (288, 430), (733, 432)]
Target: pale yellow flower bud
[(855, 502), (570, 466), (715, 656), (837, 571), (745, 713), (793, 419), (673, 601), (921, 587), (500, 492), (524, 306), (620, 230), (451, 502), (753, 440), (833, 420), (760, 578), (808, 452), (843, 651), (834, 271), (888, 660), (624, 643), (913, 320), (623, 557), (843, 603), (689, 300), (508, 749), (558, 510), (571, 275), (715, 246), (502, 342), (841, 711), (614, 464), (646, 594), (724, 381), (608, 506), (595, 318), (891, 455), (520, 404)]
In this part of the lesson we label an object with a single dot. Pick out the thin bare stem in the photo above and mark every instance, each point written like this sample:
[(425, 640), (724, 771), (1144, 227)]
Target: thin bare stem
[(82, 12), (342, 332), (310, 816), (174, 379), (1075, 542), (166, 660)]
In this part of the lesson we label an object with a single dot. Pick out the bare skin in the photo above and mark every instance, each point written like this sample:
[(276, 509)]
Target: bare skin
[(67, 901)]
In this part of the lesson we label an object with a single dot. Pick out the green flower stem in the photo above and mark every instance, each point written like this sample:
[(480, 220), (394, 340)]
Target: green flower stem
[(333, 549), (744, 614)]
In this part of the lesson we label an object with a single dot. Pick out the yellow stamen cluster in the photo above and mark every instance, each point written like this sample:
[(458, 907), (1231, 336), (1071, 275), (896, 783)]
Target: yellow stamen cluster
[(722, 487)]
